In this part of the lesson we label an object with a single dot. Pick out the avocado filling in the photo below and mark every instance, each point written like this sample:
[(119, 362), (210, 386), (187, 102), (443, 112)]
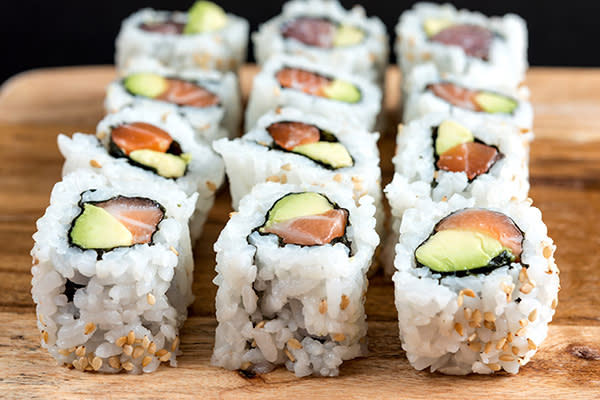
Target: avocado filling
[(117, 222), (150, 147), (318, 85), (306, 219), (175, 91), (474, 100), (309, 141), (457, 150), (471, 241), (321, 32)]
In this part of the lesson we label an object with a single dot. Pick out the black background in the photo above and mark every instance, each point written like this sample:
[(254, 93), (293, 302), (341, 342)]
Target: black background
[(78, 32)]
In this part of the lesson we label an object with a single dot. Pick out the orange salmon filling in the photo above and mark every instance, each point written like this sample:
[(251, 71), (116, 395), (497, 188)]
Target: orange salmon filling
[(291, 134), (307, 82), (141, 136), (491, 223), (185, 93), (471, 158), (312, 229), (456, 95), (139, 215)]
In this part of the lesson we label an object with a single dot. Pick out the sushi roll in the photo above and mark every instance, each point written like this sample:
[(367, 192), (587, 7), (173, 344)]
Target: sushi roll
[(323, 31), (313, 88), (427, 91), (205, 37), (141, 143), (291, 146), (291, 271), (475, 288), (112, 273), (441, 155), (208, 100), (462, 42)]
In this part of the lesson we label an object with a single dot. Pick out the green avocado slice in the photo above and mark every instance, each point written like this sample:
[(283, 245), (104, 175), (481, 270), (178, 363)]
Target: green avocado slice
[(95, 228), (347, 35), (145, 84), (165, 164), (454, 250), (342, 91), (296, 205), (333, 154), (449, 135), (495, 103), (205, 16), (433, 26)]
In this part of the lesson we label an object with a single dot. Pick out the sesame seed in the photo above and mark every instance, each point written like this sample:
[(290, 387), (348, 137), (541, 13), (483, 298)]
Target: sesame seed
[(83, 362), (445, 198), (339, 337), (253, 344), (476, 346), (96, 363), (515, 350), (89, 328), (45, 336), (121, 341), (131, 337), (289, 355), (273, 178), (460, 300), (277, 111), (488, 347), (547, 252), (175, 343), (127, 366), (489, 325), (231, 214), (554, 303), (506, 346), (477, 317), (283, 178), (523, 322), (174, 250), (164, 117), (151, 348), (260, 324), (468, 313), (64, 352), (95, 164), (71, 349), (356, 179), (138, 351), (458, 328), (150, 297), (531, 345), (468, 292), (286, 167), (77, 365), (494, 367), (294, 343), (521, 331), (165, 357), (323, 306), (337, 177), (472, 337), (146, 360), (211, 186), (263, 143), (102, 135), (128, 349), (80, 351), (526, 288), (506, 357), (500, 343), (41, 319), (146, 342), (161, 353), (245, 365), (509, 337), (523, 275), (344, 302), (114, 362), (524, 130)]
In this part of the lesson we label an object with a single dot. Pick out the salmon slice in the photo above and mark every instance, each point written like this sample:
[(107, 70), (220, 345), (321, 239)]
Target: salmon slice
[(471, 158), (491, 223), (140, 136), (305, 81), (456, 95), (185, 93), (310, 31), (312, 230), (474, 40), (139, 215), (166, 27), (291, 134)]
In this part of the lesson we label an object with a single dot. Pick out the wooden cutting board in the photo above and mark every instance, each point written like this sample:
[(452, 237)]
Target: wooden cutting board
[(565, 169)]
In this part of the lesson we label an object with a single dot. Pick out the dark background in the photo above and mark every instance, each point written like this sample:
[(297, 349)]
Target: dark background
[(77, 32)]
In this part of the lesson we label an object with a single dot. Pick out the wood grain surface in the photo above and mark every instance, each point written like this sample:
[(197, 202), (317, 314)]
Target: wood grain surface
[(565, 168)]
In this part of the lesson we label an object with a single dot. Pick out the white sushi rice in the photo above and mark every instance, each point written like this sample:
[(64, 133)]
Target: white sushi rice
[(507, 56), (249, 160), (415, 171), (205, 173), (420, 101), (210, 123), (133, 300), (444, 328), (368, 59), (267, 94), (301, 306), (223, 50)]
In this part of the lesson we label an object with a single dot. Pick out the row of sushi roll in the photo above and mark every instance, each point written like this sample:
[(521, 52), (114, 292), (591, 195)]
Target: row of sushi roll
[(475, 278)]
